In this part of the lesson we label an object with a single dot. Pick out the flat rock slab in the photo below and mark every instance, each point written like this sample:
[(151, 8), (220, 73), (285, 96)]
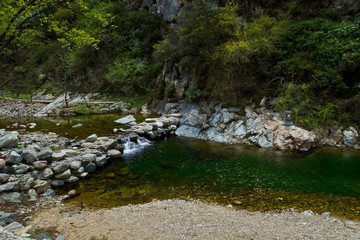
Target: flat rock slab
[(126, 120)]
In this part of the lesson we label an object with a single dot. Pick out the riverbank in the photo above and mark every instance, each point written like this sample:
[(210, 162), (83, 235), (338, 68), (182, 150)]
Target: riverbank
[(179, 219)]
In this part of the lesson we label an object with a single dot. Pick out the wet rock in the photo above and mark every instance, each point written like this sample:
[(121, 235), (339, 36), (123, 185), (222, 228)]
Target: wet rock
[(133, 137), (88, 158), (40, 186), (75, 165), (58, 156), (72, 193), (40, 165), (100, 161), (350, 136), (29, 156), (126, 120), (8, 186), (57, 183), (47, 173), (72, 179), (13, 158), (113, 153), (84, 175), (61, 167), (13, 197), (4, 178), (91, 138), (9, 140), (63, 175), (90, 167), (78, 172)]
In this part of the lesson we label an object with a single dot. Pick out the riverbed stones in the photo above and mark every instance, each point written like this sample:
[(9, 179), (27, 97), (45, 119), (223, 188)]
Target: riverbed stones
[(8, 186), (57, 183), (58, 156), (61, 167), (75, 165), (45, 154), (40, 186), (13, 158), (4, 178), (72, 179), (20, 168), (40, 165), (63, 175), (100, 161), (47, 173), (29, 156), (13, 197), (113, 153), (91, 138), (2, 163), (89, 167), (9, 140), (89, 157), (128, 120)]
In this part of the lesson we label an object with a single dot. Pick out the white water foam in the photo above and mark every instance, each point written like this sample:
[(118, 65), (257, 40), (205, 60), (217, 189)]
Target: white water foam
[(132, 147)]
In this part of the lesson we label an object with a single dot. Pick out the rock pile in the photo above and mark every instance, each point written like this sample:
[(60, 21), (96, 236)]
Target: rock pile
[(44, 161), (14, 109)]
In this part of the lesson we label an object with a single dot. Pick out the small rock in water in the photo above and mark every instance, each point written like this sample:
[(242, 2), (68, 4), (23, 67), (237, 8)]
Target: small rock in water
[(72, 193), (91, 138), (236, 202), (78, 125), (113, 153), (126, 120)]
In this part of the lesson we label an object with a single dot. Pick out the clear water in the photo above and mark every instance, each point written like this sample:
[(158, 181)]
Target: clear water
[(247, 177)]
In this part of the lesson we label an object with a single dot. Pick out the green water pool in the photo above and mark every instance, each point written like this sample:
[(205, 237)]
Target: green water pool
[(246, 177)]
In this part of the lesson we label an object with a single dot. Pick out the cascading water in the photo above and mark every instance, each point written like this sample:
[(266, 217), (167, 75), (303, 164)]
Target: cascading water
[(131, 147)]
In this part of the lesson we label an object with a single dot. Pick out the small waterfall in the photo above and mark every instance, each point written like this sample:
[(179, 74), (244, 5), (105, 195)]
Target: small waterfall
[(131, 147)]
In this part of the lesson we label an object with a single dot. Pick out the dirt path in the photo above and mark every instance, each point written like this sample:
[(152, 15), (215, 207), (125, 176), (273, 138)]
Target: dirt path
[(178, 219)]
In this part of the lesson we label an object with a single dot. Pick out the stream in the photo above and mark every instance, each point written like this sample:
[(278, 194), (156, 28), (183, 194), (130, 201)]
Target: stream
[(247, 177)]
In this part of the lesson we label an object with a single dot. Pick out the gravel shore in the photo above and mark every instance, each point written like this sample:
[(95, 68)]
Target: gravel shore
[(179, 219)]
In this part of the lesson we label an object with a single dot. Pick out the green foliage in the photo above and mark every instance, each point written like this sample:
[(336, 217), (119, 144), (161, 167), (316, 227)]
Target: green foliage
[(323, 53)]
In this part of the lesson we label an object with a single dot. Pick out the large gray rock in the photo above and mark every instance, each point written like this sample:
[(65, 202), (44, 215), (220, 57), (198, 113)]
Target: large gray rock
[(29, 156), (9, 140), (187, 131), (63, 175), (91, 138), (126, 120), (40, 165), (47, 173), (26, 182), (100, 161), (8, 186), (13, 197), (57, 183), (194, 119), (13, 158), (61, 167), (4, 178), (75, 165), (6, 218), (58, 156), (40, 186), (113, 153), (44, 153), (350, 136), (89, 157), (90, 167)]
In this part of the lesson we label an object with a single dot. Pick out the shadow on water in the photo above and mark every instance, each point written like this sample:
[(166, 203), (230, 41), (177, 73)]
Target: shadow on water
[(246, 177)]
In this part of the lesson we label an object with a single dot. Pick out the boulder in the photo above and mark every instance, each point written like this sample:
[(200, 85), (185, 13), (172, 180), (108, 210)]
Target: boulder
[(91, 138), (126, 120), (13, 197), (45, 153), (47, 173), (20, 168), (4, 178), (293, 138), (89, 157), (90, 167), (133, 137), (13, 158), (113, 153), (63, 175), (40, 186), (57, 183), (61, 167), (8, 186), (29, 156), (40, 165), (9, 140), (187, 131), (75, 165), (100, 161), (58, 156)]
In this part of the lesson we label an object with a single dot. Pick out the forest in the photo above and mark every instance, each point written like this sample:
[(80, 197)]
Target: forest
[(304, 55)]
